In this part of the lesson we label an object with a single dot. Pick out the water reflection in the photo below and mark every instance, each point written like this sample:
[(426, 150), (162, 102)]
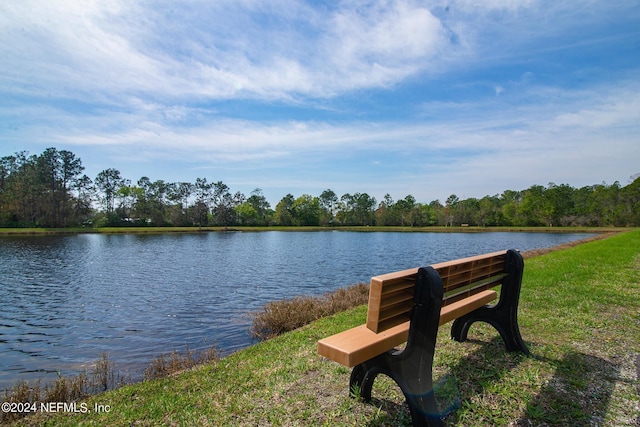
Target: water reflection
[(68, 299)]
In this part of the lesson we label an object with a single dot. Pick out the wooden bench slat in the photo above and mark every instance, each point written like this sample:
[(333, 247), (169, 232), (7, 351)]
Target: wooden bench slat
[(463, 274), (470, 271), (467, 289), (394, 321), (394, 310), (399, 285), (467, 305), (457, 262), (359, 344), (396, 298)]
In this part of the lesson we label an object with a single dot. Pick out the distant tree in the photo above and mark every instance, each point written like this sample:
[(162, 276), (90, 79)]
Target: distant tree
[(386, 213), (365, 209), (259, 203), (86, 191), (48, 165), (158, 195), (451, 210), (180, 193), (489, 211), (405, 210), (511, 201), (183, 192), (200, 209), (581, 214), (439, 214), (126, 195), (57, 171), (630, 198), (224, 204), (424, 215), (394, 212), (284, 211), (306, 210), (108, 182), (246, 214), (346, 209), (603, 202), (531, 212), (610, 203), (467, 211), (9, 196), (21, 187), (70, 173), (559, 204), (328, 200), (357, 209), (143, 194)]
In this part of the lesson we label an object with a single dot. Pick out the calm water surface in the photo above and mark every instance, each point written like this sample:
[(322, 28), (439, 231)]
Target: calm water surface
[(68, 299)]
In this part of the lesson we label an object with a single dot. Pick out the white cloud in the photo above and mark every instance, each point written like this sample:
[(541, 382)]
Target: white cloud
[(490, 5), (116, 49), (611, 113), (383, 42)]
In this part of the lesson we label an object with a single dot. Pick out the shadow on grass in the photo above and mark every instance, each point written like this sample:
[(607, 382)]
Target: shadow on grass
[(470, 376), (578, 394)]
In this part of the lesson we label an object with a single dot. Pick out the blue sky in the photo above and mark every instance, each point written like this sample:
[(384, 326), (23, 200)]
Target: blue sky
[(428, 98)]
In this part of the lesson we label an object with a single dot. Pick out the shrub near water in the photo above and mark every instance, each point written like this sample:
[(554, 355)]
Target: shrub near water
[(166, 365), (64, 389), (103, 377), (278, 317)]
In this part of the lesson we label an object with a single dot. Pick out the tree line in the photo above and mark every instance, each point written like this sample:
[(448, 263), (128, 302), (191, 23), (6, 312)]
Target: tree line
[(51, 190)]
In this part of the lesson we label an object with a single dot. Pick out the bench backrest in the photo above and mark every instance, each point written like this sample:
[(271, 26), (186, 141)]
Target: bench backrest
[(391, 294)]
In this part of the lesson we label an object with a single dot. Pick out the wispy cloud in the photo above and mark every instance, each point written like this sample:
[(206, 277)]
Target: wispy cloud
[(217, 50)]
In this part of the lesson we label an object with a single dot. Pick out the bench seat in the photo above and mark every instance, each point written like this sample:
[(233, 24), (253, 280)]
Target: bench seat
[(356, 345)]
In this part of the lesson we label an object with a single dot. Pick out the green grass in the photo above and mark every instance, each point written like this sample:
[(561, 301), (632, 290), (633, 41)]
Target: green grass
[(579, 315)]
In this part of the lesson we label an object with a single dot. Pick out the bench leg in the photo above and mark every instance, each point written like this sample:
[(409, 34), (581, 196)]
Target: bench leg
[(504, 315), (411, 368)]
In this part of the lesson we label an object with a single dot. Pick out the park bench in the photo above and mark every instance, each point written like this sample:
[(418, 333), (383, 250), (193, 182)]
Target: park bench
[(409, 306)]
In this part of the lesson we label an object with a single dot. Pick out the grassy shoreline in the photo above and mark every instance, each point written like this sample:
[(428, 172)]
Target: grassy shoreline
[(162, 230), (578, 315)]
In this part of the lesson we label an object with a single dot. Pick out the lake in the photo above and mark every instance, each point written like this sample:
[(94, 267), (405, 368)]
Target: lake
[(68, 299)]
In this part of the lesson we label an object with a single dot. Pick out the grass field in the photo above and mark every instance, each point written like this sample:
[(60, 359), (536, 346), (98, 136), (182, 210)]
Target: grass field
[(579, 315)]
